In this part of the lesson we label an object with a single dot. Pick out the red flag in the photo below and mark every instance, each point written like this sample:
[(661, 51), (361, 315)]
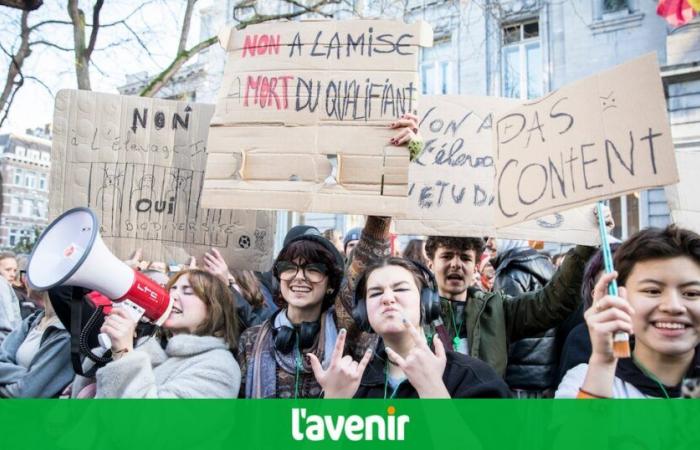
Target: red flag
[(676, 12)]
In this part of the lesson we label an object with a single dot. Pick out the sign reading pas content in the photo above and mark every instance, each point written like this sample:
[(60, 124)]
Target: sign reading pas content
[(301, 121), (594, 139)]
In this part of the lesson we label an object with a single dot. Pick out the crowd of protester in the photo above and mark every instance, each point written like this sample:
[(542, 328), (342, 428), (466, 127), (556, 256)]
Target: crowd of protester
[(341, 316)]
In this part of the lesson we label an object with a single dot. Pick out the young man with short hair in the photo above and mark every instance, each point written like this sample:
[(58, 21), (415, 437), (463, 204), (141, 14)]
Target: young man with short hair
[(483, 324)]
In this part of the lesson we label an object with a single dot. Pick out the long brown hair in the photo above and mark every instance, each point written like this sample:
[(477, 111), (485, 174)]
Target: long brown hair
[(221, 320), (250, 287)]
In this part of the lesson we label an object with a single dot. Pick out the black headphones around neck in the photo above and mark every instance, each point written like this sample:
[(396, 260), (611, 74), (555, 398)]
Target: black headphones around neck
[(285, 337), (430, 309)]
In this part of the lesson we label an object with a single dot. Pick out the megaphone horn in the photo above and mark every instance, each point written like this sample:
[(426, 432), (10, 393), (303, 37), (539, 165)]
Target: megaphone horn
[(71, 252)]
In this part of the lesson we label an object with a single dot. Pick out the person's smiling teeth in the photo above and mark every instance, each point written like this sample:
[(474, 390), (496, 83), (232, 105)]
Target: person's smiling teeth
[(300, 289)]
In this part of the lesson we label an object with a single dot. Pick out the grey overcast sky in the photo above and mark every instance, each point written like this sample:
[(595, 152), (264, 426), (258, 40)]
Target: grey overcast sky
[(157, 23)]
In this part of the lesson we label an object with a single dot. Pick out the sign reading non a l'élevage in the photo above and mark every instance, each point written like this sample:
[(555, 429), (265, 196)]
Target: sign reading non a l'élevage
[(138, 163), (301, 121), (596, 138), (451, 184)]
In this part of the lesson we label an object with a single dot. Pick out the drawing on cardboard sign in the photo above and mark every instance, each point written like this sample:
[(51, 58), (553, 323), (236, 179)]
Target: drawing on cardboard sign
[(597, 138), (139, 164)]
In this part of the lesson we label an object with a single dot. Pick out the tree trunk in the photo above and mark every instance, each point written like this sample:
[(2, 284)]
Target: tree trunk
[(11, 86), (82, 70)]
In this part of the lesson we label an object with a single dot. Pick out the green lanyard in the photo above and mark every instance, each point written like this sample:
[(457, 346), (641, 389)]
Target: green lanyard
[(386, 382), (297, 360), (650, 375), (455, 340)]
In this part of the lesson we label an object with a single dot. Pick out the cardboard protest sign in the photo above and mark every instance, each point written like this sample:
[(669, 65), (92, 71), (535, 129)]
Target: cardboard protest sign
[(138, 163), (597, 138), (683, 197), (301, 122), (451, 184)]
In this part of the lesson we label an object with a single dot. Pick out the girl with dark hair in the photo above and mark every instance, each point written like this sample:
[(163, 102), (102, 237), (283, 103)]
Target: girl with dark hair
[(415, 251), (315, 306), (395, 300), (658, 271), (197, 361), (309, 270)]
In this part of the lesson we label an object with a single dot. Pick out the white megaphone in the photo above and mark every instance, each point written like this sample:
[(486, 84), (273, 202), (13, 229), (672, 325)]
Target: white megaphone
[(71, 252)]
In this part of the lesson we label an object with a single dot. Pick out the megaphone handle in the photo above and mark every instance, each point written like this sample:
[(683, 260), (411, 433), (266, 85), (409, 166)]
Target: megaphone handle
[(104, 340), (135, 311)]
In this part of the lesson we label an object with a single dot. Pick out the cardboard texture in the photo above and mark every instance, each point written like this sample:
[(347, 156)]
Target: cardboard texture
[(138, 163), (301, 120), (451, 184), (683, 197), (597, 138)]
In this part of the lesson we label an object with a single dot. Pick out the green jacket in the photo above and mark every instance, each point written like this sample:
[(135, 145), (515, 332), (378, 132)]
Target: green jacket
[(494, 320)]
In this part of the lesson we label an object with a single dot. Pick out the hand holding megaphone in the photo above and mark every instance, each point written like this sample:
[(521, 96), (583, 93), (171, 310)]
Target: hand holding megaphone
[(71, 252), (119, 327)]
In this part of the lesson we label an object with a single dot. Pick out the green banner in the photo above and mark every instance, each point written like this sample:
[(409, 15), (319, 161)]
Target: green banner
[(355, 424)]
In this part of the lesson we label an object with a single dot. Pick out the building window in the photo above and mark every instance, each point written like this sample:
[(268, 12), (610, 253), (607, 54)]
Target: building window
[(625, 211), (20, 151), (522, 61), (613, 6), (15, 206), (30, 181), (436, 76), (14, 237), (18, 177), (45, 156), (42, 182), (27, 208)]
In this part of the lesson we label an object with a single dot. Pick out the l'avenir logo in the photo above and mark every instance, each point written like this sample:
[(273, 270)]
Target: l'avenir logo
[(313, 427)]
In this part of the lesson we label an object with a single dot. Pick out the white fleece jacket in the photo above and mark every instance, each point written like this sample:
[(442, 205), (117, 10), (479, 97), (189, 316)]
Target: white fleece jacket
[(189, 367)]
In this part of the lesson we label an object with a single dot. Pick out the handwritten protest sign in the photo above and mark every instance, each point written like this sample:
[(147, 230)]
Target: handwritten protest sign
[(597, 138), (302, 118), (139, 164), (451, 184), (683, 197)]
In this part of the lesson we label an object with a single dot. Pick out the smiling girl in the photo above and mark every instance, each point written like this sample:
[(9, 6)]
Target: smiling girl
[(659, 302), (197, 361)]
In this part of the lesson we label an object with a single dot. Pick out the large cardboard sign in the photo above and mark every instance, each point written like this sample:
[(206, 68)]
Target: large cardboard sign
[(597, 138), (139, 164), (683, 197), (301, 122), (451, 184)]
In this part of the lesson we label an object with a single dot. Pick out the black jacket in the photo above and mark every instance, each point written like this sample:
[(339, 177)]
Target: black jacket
[(464, 377), (532, 362)]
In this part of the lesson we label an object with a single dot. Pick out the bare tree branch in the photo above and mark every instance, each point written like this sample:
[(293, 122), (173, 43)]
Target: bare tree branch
[(15, 79), (157, 83), (186, 21), (51, 44), (95, 28)]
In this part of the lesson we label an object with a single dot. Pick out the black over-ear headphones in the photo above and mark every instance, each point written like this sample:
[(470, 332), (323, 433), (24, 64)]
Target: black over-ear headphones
[(285, 336), (429, 299)]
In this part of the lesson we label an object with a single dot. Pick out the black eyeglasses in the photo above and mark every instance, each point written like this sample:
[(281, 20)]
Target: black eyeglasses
[(314, 272)]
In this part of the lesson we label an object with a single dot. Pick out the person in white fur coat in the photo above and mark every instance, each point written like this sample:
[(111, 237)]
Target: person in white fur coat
[(197, 361)]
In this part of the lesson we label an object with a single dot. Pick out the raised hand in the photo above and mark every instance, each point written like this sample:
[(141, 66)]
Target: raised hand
[(407, 126), (343, 376), (423, 368), (215, 263), (607, 315)]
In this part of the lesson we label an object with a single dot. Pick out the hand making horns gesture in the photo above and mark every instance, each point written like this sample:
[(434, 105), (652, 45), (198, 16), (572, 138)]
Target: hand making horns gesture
[(423, 368), (343, 376)]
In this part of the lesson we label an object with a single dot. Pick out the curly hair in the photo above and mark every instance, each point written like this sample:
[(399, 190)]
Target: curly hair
[(458, 243)]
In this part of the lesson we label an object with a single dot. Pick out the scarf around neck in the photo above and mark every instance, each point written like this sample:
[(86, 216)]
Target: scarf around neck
[(261, 376)]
